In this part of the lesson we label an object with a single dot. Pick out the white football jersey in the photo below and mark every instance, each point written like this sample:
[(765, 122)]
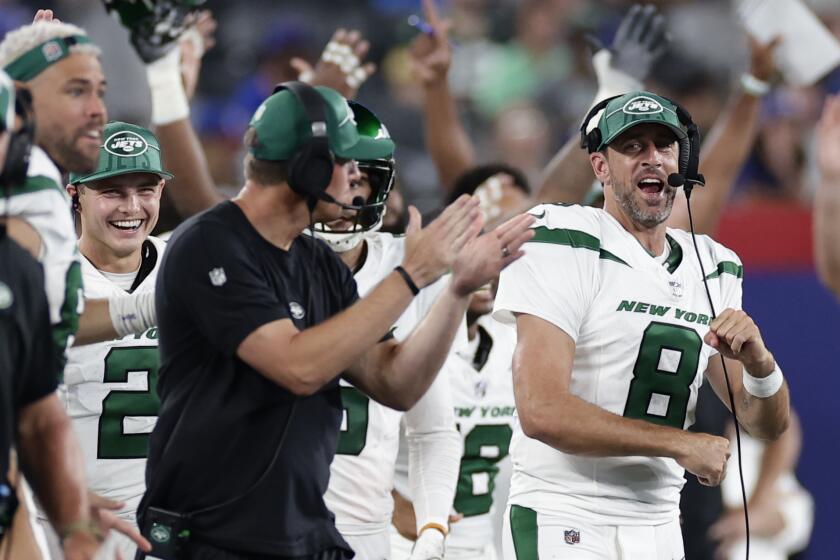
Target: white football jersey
[(482, 393), (45, 205), (362, 472), (638, 324), (109, 394)]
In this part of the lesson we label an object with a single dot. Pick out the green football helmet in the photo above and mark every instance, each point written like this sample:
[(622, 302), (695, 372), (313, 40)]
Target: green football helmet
[(380, 174), (155, 25)]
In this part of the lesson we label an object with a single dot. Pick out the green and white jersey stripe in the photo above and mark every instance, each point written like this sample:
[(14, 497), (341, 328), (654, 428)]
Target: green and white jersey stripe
[(110, 395), (45, 205)]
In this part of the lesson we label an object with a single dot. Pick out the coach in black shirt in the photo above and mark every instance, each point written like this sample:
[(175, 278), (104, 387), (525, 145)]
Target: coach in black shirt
[(257, 322), (31, 417)]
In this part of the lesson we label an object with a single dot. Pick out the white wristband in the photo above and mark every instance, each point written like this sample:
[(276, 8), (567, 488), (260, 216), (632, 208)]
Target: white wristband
[(169, 100), (763, 387), (753, 86), (132, 313)]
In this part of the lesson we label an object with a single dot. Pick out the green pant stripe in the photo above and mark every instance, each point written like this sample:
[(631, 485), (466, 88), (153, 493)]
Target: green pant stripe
[(523, 529)]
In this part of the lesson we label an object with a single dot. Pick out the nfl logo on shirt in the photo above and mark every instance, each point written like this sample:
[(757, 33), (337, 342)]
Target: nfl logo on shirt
[(217, 277), (572, 536)]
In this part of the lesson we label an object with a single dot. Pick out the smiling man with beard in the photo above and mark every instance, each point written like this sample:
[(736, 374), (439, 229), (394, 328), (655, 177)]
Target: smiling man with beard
[(614, 336), (59, 66)]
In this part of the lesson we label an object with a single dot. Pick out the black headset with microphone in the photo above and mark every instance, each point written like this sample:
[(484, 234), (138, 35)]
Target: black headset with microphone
[(688, 176), (311, 167), (20, 144)]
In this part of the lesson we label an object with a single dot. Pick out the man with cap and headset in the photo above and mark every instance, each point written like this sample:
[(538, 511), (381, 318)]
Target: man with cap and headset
[(614, 333), (258, 322), (109, 387)]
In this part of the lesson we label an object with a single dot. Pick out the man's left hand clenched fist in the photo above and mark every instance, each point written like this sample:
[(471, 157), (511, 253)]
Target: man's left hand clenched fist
[(735, 335)]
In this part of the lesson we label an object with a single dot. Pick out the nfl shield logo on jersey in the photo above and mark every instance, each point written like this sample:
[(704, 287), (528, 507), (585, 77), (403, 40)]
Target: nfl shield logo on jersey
[(676, 288), (296, 310), (217, 277), (572, 536)]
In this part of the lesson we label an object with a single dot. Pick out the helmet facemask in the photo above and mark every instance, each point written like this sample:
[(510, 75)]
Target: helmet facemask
[(380, 175)]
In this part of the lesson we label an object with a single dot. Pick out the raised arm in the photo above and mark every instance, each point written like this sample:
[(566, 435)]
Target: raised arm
[(640, 40), (727, 148), (827, 198), (399, 374), (446, 140), (550, 413), (172, 80)]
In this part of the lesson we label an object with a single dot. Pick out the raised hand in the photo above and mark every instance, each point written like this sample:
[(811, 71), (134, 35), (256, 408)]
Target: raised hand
[(196, 40), (762, 64), (705, 457), (639, 42), (735, 335), (481, 260), (45, 15), (431, 251), (342, 65), (431, 54), (828, 141)]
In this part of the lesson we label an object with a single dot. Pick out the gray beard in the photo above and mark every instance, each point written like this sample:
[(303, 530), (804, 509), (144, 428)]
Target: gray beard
[(648, 218)]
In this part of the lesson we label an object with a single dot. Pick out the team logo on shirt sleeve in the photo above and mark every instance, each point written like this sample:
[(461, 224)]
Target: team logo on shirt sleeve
[(217, 277), (6, 296), (296, 310)]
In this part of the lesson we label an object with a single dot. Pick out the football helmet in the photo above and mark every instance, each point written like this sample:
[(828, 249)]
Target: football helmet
[(154, 25), (380, 175)]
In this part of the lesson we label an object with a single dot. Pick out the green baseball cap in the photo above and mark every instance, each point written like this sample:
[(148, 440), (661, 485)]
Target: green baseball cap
[(128, 148), (625, 112), (281, 126)]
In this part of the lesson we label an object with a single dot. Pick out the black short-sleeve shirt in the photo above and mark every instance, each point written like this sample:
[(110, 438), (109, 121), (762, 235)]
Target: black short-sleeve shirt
[(29, 366), (220, 420)]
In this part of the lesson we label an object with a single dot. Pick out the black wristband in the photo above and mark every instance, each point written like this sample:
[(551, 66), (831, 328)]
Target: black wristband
[(408, 281)]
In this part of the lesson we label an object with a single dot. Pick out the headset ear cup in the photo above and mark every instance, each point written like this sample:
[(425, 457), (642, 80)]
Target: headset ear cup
[(311, 168), (593, 140), (685, 155)]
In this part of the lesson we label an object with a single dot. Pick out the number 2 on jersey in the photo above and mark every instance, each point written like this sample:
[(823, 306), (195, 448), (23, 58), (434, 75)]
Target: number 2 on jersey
[(663, 374), (484, 446), (114, 443)]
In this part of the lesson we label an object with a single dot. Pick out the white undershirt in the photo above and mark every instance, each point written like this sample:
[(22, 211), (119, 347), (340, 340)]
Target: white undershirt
[(665, 254), (122, 280)]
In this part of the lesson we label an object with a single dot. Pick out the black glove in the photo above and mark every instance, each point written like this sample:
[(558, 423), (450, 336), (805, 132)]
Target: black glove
[(640, 40), (154, 25)]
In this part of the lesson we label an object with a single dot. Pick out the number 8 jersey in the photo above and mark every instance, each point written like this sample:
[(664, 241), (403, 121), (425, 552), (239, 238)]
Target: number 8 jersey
[(638, 323), (109, 393)]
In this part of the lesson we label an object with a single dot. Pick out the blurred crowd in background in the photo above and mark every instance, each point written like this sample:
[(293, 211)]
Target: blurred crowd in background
[(521, 72)]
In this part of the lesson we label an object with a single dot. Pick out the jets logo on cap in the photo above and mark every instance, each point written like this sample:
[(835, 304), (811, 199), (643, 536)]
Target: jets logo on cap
[(642, 105), (126, 144)]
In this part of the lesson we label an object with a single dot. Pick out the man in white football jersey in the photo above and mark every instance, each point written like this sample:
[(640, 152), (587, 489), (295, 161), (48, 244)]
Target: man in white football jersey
[(482, 394), (109, 387), (60, 67), (614, 334), (362, 473)]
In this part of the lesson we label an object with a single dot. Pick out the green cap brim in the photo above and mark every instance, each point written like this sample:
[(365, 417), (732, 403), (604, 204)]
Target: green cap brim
[(368, 148), (77, 180), (680, 133)]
